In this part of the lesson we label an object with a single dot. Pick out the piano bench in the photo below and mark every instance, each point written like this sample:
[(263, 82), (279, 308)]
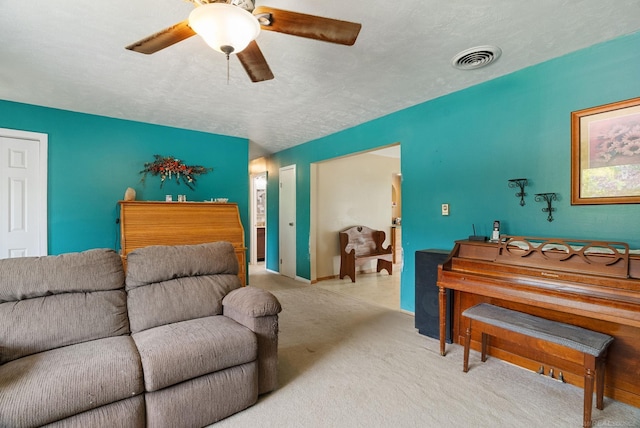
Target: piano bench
[(579, 345)]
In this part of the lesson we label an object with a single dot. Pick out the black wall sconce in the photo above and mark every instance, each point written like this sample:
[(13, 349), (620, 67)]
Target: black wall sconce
[(520, 183), (548, 198)]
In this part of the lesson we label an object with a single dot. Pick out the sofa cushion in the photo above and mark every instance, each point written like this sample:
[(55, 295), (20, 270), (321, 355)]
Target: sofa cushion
[(43, 323), (178, 300), (28, 277), (53, 385), (168, 284), (177, 352), (52, 301), (159, 263)]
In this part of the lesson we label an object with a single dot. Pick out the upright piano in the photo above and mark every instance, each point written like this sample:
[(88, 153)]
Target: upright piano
[(591, 284)]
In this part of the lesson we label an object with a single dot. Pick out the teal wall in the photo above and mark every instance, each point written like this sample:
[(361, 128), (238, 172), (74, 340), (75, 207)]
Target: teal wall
[(93, 159), (462, 148)]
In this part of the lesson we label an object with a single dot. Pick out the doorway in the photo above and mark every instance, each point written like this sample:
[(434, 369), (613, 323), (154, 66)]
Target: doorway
[(396, 218), (356, 190), (258, 217)]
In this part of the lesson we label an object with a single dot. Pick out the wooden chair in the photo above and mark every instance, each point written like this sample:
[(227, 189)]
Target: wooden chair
[(360, 244)]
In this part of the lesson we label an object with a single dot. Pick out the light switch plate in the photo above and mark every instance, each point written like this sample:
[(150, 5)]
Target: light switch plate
[(445, 209)]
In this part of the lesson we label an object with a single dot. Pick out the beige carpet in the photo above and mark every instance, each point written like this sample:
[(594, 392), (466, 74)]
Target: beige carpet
[(347, 363)]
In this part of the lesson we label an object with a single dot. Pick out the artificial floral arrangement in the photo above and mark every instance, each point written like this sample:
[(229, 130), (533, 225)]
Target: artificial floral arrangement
[(170, 167)]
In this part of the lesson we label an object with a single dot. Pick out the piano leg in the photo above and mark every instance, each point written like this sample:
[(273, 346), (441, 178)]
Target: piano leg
[(589, 369), (485, 344), (442, 300), (600, 369), (467, 345)]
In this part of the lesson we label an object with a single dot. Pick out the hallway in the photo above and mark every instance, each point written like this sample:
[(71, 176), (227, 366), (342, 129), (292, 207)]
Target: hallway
[(375, 288)]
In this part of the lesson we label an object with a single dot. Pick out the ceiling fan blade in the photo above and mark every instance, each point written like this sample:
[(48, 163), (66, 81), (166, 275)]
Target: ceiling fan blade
[(163, 39), (254, 63), (309, 26)]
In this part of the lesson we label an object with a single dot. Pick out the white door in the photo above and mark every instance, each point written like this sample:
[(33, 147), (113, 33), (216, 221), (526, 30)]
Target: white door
[(287, 222), (23, 186)]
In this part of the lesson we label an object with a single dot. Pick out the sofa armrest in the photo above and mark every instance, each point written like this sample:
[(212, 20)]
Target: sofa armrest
[(258, 310), (252, 302)]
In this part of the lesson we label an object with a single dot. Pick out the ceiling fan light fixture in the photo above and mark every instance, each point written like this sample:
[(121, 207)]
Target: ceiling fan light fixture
[(224, 27)]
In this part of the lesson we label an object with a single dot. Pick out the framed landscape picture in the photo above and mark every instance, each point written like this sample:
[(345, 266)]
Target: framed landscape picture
[(605, 154)]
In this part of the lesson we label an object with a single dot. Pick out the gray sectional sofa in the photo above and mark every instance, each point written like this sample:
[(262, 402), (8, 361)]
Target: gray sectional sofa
[(177, 343)]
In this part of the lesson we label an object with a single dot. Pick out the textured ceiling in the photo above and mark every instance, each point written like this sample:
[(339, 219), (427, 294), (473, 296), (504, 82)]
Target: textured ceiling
[(70, 54)]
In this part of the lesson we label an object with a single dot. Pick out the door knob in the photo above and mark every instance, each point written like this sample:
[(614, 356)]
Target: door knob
[(291, 223)]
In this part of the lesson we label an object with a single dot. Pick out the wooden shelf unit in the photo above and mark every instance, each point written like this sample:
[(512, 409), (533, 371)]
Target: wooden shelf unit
[(144, 223)]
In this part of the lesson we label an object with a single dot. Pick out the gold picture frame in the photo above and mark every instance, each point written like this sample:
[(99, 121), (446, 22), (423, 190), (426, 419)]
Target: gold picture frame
[(605, 154)]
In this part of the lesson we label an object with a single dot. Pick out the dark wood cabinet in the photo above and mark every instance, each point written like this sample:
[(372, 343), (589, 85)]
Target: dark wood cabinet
[(427, 310), (260, 243)]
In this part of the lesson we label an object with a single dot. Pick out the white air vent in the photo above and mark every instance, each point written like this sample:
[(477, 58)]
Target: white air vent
[(477, 57)]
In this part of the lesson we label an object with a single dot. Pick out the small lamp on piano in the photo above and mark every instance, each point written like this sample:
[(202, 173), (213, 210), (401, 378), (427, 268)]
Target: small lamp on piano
[(520, 183)]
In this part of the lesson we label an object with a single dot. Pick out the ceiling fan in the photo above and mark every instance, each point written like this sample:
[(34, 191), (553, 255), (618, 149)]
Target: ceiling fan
[(231, 26)]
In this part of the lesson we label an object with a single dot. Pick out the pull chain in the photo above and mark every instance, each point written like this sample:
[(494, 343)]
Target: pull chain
[(226, 49)]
